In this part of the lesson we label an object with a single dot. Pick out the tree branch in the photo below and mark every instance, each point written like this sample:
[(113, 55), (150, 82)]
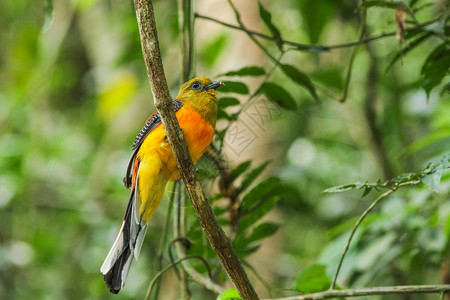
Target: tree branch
[(186, 27), (362, 30), (216, 236), (361, 218), (162, 241), (206, 282), (161, 273), (382, 290), (315, 48), (179, 232), (250, 35)]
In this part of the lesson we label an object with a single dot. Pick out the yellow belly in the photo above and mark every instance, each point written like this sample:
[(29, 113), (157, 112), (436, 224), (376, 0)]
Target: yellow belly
[(157, 163)]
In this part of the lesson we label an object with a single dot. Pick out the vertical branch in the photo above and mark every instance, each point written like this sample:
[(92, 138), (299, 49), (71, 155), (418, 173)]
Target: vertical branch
[(362, 29), (216, 236), (162, 241), (185, 23), (186, 28), (179, 231), (352, 233), (360, 220)]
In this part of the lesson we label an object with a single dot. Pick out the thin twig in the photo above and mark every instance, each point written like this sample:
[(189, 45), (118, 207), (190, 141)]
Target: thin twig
[(183, 241), (362, 30), (186, 28), (382, 290), (179, 228), (315, 48), (250, 35), (162, 241), (206, 282), (216, 236), (160, 273), (361, 218), (264, 283)]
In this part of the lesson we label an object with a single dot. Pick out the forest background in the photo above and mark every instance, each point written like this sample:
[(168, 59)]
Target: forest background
[(346, 97)]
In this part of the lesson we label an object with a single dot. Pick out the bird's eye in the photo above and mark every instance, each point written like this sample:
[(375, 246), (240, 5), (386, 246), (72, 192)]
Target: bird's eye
[(196, 85)]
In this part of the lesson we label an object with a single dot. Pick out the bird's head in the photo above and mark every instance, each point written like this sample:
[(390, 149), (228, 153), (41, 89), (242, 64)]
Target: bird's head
[(199, 88)]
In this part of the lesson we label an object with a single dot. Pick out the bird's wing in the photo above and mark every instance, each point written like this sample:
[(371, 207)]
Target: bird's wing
[(151, 124)]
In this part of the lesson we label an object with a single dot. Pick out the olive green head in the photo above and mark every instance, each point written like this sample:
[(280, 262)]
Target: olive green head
[(201, 95), (201, 88)]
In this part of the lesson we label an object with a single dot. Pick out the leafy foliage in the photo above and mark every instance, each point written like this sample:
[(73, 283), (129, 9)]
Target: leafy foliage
[(267, 18), (300, 78), (278, 95), (436, 67), (312, 279), (74, 92), (430, 176), (229, 294), (234, 87), (247, 71)]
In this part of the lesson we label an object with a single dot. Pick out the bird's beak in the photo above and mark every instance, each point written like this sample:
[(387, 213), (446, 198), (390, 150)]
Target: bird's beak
[(213, 85)]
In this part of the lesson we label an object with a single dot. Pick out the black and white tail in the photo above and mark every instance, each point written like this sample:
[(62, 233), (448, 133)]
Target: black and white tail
[(126, 246)]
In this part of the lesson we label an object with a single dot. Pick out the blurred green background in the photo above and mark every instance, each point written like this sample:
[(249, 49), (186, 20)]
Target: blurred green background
[(74, 93)]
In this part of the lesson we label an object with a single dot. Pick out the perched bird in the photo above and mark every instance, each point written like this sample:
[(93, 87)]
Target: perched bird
[(152, 165)]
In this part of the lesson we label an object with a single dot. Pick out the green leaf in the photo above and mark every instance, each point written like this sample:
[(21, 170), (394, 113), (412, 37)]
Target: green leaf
[(445, 161), (246, 71), (379, 3), (258, 193), (411, 46), (261, 208), (445, 90), (422, 7), (367, 190), (259, 201), (340, 188), (228, 101), (262, 231), (234, 87), (435, 137), (267, 18), (312, 279), (252, 175), (211, 51), (432, 179), (241, 168), (222, 114), (405, 178), (435, 67), (278, 95), (246, 245), (229, 294), (248, 249), (300, 78), (314, 23)]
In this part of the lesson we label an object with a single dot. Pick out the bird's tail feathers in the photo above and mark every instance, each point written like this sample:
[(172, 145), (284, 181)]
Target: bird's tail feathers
[(127, 245)]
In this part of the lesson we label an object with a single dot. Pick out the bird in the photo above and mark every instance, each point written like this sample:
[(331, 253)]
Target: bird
[(152, 165)]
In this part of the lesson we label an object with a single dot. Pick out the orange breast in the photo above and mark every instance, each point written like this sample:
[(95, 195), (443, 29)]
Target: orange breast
[(156, 151), (197, 133)]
